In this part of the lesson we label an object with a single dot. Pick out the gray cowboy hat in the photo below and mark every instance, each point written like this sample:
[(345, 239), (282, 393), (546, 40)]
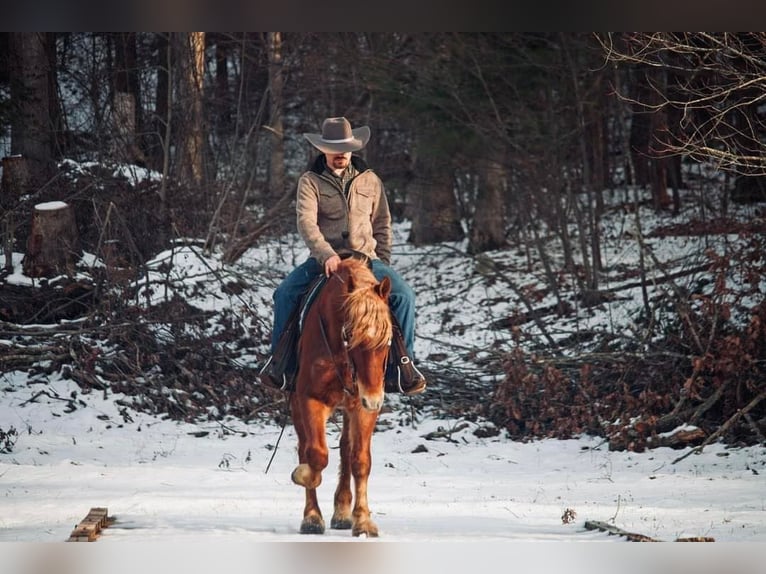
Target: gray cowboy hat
[(338, 137)]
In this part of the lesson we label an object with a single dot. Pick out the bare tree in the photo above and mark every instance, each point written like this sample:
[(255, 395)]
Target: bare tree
[(126, 99), (435, 217), (717, 84), (487, 231), (192, 50), (275, 127), (31, 134)]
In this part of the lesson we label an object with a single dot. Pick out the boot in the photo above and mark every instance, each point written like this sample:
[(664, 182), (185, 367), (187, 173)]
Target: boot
[(271, 375), (402, 376), (280, 368)]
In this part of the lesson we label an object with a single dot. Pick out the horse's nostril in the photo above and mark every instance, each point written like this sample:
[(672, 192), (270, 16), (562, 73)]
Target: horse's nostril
[(371, 404)]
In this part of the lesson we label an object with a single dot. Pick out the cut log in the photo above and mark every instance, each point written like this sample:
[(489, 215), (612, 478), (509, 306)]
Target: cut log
[(89, 528), (53, 246)]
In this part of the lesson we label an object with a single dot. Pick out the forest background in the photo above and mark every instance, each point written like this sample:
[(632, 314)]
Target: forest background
[(492, 140)]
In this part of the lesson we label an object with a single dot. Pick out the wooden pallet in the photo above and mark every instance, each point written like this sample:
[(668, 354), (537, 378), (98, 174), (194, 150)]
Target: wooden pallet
[(89, 528)]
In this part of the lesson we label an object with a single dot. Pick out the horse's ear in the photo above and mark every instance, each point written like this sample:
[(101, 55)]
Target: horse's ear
[(383, 288)]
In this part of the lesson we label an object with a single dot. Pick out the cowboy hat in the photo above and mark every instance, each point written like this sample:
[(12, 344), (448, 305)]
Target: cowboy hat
[(338, 137)]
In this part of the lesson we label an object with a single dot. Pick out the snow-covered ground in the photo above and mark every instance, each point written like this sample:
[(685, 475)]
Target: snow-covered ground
[(446, 497), (167, 488)]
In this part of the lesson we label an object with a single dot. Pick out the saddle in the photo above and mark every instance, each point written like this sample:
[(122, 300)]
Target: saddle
[(281, 369)]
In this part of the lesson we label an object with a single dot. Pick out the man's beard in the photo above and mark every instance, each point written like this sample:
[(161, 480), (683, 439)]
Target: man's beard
[(339, 162)]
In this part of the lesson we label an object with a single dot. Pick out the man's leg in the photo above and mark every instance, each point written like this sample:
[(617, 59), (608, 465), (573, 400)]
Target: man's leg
[(288, 294), (286, 297), (401, 300), (404, 376)]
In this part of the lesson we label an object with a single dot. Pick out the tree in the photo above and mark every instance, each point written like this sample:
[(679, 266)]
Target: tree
[(487, 230), (435, 218), (716, 83), (275, 127), (191, 46), (126, 98), (31, 134)]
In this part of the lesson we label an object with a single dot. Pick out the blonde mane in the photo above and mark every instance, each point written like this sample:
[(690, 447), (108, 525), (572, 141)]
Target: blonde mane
[(367, 316)]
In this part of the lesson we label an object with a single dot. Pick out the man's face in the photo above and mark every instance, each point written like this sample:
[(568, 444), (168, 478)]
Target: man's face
[(338, 160)]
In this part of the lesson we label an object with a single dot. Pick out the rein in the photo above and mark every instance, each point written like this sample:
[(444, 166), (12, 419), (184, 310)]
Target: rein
[(350, 391)]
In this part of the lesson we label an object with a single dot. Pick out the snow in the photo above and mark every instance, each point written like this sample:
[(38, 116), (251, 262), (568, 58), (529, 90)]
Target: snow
[(203, 493), (50, 206), (163, 483)]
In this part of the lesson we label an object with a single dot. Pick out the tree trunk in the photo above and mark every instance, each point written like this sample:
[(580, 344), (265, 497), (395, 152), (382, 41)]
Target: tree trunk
[(30, 123), (488, 229), (15, 183), (223, 103), (434, 211), (277, 159), (57, 122), (53, 246), (124, 134), (192, 45), (126, 66), (156, 149), (126, 100)]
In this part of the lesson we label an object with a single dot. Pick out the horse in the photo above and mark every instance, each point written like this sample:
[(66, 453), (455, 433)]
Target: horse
[(342, 353)]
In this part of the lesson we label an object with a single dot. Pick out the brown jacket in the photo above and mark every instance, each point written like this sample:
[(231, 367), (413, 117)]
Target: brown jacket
[(324, 214)]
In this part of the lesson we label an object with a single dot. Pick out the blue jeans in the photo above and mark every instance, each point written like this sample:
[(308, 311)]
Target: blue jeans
[(288, 294)]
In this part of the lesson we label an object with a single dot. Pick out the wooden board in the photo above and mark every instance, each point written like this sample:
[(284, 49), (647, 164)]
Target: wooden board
[(634, 537), (89, 528)]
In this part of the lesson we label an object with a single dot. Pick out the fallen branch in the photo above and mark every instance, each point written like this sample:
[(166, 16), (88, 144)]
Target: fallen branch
[(445, 433), (725, 426)]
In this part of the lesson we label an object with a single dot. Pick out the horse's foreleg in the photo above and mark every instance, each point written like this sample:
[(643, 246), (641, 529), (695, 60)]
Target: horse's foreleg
[(341, 518), (310, 416), (361, 462)]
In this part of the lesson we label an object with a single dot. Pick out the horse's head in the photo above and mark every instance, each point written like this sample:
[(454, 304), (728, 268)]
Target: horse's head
[(368, 331)]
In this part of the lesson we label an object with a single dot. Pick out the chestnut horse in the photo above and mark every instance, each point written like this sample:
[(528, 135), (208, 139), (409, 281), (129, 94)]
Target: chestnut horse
[(342, 353)]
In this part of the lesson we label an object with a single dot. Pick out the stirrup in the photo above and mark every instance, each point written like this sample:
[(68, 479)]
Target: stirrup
[(279, 381), (414, 381)]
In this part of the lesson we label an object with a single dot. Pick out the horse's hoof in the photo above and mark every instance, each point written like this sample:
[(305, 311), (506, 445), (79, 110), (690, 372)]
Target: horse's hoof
[(369, 530), (312, 525), (340, 523), (305, 477)]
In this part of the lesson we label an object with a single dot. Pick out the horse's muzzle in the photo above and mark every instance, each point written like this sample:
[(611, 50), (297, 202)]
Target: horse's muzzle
[(372, 402)]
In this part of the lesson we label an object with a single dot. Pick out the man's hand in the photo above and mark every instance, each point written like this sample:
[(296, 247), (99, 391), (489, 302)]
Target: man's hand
[(331, 265)]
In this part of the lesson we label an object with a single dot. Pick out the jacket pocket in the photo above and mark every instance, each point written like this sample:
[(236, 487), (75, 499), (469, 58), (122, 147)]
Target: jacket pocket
[(331, 205), (363, 201)]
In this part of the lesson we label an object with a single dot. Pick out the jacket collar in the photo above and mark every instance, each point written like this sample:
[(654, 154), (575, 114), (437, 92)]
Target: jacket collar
[(320, 163)]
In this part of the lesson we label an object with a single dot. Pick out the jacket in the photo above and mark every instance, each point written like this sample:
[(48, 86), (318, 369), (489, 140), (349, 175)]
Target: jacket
[(324, 213)]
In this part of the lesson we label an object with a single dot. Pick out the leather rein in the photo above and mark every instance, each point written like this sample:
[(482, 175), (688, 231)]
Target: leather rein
[(349, 390), (352, 390)]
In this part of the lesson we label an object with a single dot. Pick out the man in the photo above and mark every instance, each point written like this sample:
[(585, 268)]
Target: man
[(342, 204)]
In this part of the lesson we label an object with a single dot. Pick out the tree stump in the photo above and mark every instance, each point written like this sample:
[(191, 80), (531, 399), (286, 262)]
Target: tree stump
[(53, 246)]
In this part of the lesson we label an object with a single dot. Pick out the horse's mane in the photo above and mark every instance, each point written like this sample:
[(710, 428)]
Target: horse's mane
[(367, 318)]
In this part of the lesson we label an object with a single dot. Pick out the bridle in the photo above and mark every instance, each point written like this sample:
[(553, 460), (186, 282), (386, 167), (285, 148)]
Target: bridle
[(349, 390)]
